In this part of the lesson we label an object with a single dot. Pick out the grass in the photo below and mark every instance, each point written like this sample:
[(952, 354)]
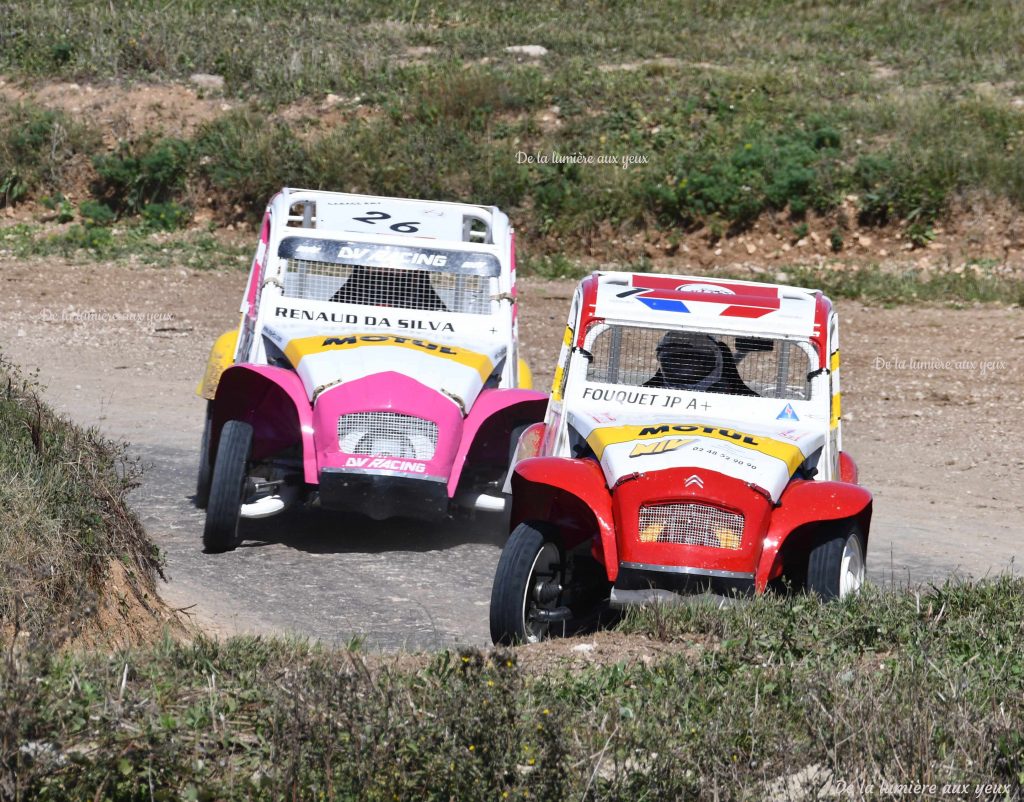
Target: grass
[(919, 686), (976, 282), (136, 243), (738, 109), (64, 517)]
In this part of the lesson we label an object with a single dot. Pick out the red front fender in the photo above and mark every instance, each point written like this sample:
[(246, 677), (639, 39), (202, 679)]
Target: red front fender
[(573, 495), (806, 503)]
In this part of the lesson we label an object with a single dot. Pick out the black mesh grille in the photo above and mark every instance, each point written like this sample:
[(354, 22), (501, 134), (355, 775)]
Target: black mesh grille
[(673, 359)]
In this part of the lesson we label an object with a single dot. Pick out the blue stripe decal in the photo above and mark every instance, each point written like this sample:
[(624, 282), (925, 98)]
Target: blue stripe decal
[(664, 304)]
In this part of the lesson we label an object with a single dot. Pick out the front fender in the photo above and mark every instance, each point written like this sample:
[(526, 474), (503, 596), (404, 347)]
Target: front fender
[(486, 430), (805, 503), (573, 495), (274, 402), (221, 356)]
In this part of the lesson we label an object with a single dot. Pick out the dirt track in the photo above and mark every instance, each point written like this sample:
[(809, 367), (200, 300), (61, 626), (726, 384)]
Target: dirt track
[(932, 399)]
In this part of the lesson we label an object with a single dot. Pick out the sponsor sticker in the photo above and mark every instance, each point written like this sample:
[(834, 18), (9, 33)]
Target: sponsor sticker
[(386, 464), (300, 348), (788, 413)]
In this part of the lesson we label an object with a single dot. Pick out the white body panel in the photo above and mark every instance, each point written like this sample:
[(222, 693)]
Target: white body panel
[(786, 433), (441, 363), (339, 230)]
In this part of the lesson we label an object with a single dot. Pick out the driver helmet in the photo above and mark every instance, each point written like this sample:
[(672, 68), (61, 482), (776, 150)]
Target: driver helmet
[(689, 360)]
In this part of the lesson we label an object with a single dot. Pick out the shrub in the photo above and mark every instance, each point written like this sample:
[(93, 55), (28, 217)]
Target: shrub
[(795, 169), (95, 213), (36, 146), (143, 172), (244, 159), (165, 216)]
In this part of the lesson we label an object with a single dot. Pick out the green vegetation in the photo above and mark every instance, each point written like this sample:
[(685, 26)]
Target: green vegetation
[(975, 282), (37, 146), (63, 516), (730, 110), (979, 281), (144, 243), (923, 687)]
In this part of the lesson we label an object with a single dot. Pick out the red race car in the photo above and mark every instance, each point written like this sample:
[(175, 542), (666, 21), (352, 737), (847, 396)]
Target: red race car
[(692, 442)]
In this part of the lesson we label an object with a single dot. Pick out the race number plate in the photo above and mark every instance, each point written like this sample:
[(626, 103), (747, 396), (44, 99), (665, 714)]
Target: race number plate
[(391, 217)]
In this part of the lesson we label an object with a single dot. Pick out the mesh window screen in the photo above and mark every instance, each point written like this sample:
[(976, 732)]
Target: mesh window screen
[(682, 360), (385, 286)]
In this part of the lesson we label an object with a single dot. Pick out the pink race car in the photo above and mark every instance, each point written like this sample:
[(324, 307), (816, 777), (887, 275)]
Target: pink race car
[(692, 441), (375, 368)]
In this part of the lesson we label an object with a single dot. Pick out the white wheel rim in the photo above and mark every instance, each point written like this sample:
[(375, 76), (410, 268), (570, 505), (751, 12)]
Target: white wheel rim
[(547, 556), (851, 572)]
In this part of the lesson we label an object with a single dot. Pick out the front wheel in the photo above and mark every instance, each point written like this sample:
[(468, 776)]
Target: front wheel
[(227, 487), (528, 586), (836, 567)]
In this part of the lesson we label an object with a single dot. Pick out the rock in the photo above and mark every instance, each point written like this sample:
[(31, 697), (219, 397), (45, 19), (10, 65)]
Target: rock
[(530, 51), (205, 80), (864, 242), (751, 248)]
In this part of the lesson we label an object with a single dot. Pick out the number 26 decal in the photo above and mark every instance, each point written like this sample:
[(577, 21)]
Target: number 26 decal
[(372, 218)]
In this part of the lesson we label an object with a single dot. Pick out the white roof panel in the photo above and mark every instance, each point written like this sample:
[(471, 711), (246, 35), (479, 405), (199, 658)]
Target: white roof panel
[(711, 304)]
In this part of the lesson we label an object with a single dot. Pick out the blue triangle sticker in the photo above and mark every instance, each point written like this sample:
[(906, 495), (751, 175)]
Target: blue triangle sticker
[(787, 414)]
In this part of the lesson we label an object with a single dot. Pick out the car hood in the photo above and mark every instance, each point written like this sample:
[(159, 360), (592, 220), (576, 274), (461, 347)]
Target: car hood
[(450, 367), (760, 454)]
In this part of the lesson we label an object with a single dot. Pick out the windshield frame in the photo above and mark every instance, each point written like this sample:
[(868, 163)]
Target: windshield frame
[(581, 360)]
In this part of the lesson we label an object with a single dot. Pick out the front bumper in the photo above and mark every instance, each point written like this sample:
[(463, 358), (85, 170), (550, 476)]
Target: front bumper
[(384, 495), (638, 583)]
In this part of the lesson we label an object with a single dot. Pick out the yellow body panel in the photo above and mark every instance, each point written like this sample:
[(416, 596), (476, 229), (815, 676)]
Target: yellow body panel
[(601, 438), (221, 356), (525, 375), (296, 350), (837, 411)]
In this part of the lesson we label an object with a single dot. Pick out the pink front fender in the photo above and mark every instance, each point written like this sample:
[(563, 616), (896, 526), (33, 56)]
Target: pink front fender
[(804, 503), (500, 409), (573, 495), (274, 401)]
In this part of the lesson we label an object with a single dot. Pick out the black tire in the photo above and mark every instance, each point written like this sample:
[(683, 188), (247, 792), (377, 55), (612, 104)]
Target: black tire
[(513, 441), (205, 475), (227, 487), (529, 580), (830, 564)]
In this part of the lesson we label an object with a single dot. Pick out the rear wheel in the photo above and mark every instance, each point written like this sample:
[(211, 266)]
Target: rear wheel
[(227, 487), (526, 600), (205, 462), (836, 566)]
